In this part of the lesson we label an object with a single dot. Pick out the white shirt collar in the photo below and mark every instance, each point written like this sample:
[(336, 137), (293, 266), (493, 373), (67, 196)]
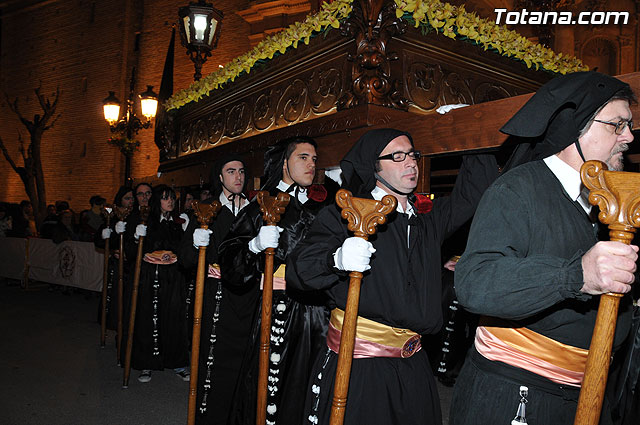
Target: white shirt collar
[(570, 180), (227, 203), (162, 217), (302, 193), (378, 193)]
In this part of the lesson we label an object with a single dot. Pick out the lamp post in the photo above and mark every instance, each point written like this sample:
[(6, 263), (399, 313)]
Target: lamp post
[(125, 128), (199, 30)]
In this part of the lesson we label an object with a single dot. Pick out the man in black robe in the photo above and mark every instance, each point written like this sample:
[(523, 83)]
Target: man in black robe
[(533, 264), (227, 311), (299, 320), (391, 379)]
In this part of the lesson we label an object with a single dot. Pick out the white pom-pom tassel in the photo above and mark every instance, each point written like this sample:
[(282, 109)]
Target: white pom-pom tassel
[(315, 389), (271, 409), (281, 307), (275, 358)]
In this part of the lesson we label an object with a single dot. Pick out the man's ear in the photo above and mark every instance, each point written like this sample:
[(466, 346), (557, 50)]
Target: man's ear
[(220, 177), (285, 169)]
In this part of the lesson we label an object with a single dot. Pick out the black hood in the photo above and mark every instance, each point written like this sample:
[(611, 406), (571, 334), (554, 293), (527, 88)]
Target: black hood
[(552, 119), (359, 164), (274, 160)]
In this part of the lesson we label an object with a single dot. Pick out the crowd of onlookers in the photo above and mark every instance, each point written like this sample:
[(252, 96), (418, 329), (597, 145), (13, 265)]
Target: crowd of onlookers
[(62, 223)]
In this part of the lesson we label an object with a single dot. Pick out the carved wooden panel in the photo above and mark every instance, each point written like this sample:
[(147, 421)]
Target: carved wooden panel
[(430, 84), (308, 96)]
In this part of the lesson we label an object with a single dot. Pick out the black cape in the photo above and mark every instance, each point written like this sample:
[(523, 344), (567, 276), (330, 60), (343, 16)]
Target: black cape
[(299, 319)]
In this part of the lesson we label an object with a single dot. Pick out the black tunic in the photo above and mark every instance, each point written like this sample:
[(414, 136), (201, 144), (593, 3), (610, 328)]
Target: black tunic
[(299, 319), (160, 343), (221, 348), (523, 264), (402, 289)]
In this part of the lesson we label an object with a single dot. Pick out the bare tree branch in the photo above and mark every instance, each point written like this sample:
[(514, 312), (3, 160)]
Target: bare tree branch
[(5, 152), (32, 174), (47, 127)]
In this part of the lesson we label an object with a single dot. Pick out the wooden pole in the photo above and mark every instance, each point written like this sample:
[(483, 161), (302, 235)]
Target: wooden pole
[(144, 214), (363, 216), (106, 211), (617, 194), (205, 213), (122, 214), (271, 208)]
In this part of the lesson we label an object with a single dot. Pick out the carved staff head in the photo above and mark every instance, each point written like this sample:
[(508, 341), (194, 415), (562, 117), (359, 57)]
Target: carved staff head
[(617, 194), (362, 214), (122, 212), (272, 207), (206, 212)]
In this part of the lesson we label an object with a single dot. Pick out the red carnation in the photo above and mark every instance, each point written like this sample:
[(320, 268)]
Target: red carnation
[(317, 192), (423, 203)]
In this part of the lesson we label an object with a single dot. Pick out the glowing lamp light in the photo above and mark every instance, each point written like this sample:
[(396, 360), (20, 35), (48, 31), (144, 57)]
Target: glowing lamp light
[(199, 31), (111, 108), (148, 103)]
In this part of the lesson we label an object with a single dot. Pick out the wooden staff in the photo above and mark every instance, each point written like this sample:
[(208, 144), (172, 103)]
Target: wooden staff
[(106, 211), (205, 213), (617, 194), (144, 214), (363, 216), (122, 213), (271, 208)]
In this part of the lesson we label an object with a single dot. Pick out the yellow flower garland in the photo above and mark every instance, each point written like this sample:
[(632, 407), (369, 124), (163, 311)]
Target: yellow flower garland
[(450, 21), (456, 22)]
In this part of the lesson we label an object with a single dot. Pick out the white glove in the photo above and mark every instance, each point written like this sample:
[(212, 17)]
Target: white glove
[(354, 255), (141, 230), (185, 217), (201, 237), (106, 233), (267, 238), (120, 227)]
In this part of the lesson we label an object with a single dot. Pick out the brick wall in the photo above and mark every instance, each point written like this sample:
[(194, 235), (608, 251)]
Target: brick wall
[(88, 48)]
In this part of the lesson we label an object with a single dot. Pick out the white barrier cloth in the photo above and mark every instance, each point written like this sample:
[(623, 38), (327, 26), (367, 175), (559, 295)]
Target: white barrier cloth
[(68, 263)]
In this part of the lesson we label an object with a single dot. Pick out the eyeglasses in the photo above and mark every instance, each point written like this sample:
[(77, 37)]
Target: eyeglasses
[(145, 194), (400, 156), (620, 125)]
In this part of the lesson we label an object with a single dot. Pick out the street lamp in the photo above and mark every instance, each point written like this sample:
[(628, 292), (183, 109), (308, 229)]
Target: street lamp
[(125, 128), (199, 30)]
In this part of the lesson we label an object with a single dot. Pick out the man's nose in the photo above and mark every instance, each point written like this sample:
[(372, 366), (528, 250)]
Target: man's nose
[(628, 137)]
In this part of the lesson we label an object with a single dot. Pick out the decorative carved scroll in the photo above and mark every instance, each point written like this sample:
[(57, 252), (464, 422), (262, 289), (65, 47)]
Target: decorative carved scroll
[(264, 110), (363, 214), (617, 194), (272, 207), (293, 101), (293, 104), (325, 88), (373, 23), (121, 212), (215, 123), (431, 86), (206, 212)]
